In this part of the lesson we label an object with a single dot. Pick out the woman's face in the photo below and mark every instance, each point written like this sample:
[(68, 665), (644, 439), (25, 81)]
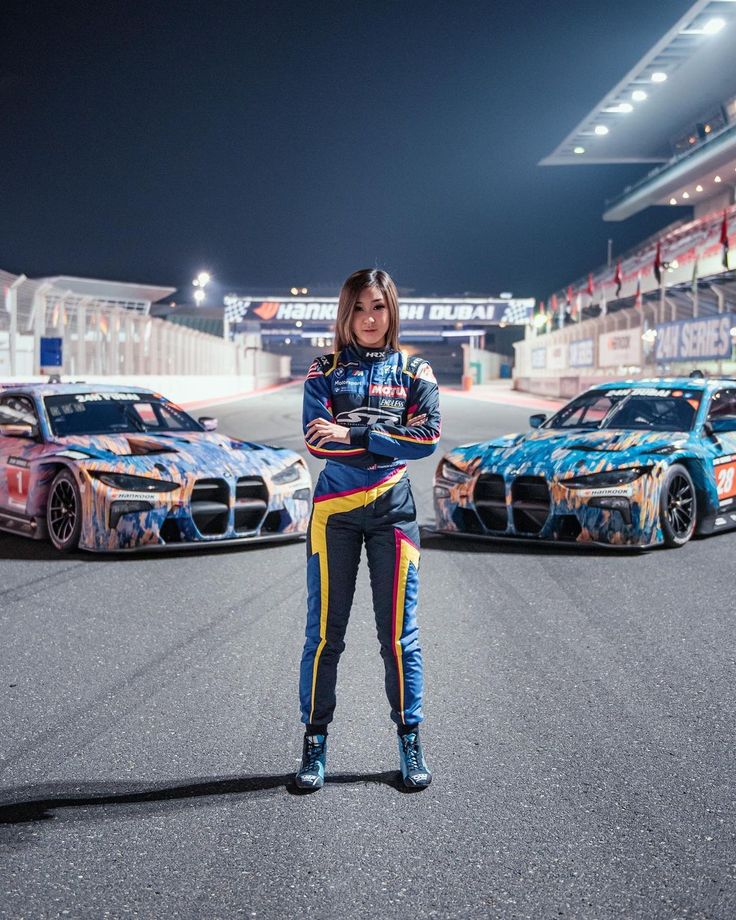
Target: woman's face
[(370, 320)]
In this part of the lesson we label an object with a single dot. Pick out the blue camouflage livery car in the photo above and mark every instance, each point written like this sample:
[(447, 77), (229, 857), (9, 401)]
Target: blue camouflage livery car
[(110, 468), (635, 463)]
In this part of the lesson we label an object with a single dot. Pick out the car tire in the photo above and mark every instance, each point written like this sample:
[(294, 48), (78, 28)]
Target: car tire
[(678, 506), (64, 512)]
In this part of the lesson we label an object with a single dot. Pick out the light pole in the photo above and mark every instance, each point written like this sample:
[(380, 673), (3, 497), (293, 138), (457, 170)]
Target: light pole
[(200, 283)]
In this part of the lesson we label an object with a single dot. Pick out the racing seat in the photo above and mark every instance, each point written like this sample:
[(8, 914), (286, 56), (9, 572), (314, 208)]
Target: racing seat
[(681, 415)]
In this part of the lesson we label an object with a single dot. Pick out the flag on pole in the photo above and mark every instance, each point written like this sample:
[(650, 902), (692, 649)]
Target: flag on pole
[(579, 306), (617, 278), (590, 289), (724, 240), (637, 299), (539, 318), (658, 263)]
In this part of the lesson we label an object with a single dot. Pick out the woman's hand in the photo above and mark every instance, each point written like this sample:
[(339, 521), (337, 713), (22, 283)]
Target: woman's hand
[(320, 431)]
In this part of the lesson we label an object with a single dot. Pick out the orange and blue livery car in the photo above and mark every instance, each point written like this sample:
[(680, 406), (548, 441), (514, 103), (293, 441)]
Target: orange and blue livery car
[(634, 463), (112, 468)]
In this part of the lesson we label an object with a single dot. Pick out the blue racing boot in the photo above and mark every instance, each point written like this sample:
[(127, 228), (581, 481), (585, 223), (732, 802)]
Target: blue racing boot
[(414, 770), (311, 774)]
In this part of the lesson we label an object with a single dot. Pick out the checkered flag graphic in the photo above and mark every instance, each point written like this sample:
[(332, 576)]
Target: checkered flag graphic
[(235, 309), (517, 313)]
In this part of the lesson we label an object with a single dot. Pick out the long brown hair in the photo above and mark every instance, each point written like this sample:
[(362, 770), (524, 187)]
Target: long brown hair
[(349, 294)]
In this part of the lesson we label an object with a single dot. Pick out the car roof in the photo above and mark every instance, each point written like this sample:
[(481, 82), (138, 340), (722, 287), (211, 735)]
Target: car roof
[(59, 389), (704, 384)]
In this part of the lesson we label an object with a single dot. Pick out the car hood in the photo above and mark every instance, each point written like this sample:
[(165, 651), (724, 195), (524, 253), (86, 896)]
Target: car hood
[(555, 451), (176, 455)]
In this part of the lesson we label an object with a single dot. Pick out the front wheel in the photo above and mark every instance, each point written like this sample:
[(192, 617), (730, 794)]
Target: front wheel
[(64, 512), (677, 506)]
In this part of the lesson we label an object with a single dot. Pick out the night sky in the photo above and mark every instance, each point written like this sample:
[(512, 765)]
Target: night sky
[(291, 143)]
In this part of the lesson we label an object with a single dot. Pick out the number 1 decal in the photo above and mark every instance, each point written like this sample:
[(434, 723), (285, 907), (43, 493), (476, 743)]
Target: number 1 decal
[(19, 478)]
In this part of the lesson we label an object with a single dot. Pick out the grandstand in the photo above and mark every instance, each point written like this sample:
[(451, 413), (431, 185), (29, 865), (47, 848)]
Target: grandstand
[(669, 304)]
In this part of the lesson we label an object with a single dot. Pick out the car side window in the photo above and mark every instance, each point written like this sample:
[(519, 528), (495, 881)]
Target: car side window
[(722, 410), (18, 410)]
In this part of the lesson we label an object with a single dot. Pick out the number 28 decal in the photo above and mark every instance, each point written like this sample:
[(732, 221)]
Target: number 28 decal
[(726, 479)]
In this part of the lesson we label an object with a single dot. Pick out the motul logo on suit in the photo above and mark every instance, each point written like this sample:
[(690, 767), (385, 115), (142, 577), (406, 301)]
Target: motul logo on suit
[(383, 389)]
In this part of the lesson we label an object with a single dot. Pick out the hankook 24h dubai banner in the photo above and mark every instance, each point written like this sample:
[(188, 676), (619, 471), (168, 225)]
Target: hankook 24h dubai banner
[(492, 311)]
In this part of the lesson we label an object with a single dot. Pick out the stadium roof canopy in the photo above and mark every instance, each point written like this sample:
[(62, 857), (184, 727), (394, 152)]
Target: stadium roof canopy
[(688, 74), (109, 290)]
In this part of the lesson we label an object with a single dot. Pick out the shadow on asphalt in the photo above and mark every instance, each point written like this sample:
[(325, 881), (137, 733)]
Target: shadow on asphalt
[(41, 807), (433, 541), (22, 548)]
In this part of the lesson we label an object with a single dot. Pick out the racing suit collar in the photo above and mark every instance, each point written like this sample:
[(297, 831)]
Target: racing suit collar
[(371, 355)]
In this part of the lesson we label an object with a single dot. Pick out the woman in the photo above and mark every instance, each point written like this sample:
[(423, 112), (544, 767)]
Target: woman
[(367, 409)]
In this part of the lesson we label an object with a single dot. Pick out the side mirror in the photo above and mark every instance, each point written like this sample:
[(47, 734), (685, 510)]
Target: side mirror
[(18, 430), (536, 421), (208, 423)]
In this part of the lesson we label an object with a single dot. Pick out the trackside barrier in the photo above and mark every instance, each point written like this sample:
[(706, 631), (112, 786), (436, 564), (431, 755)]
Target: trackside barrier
[(671, 335), (115, 341)]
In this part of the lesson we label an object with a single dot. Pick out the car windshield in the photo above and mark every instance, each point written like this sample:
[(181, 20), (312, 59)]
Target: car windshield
[(112, 413), (634, 408)]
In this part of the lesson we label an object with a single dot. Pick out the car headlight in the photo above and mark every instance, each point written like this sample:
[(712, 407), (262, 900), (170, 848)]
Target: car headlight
[(607, 479), (290, 474), (128, 483), (452, 473)]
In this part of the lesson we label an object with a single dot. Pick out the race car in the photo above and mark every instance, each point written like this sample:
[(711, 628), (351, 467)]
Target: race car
[(635, 463), (114, 468)]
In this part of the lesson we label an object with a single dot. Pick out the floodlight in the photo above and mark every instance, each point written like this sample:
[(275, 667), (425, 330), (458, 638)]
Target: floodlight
[(713, 26)]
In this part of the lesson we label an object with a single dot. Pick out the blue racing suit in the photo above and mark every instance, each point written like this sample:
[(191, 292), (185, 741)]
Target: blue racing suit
[(363, 495)]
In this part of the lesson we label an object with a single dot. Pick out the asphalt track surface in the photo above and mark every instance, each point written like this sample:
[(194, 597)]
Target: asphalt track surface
[(580, 727)]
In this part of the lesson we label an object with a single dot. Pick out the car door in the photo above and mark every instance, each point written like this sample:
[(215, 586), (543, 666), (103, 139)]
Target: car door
[(722, 420), (16, 452)]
